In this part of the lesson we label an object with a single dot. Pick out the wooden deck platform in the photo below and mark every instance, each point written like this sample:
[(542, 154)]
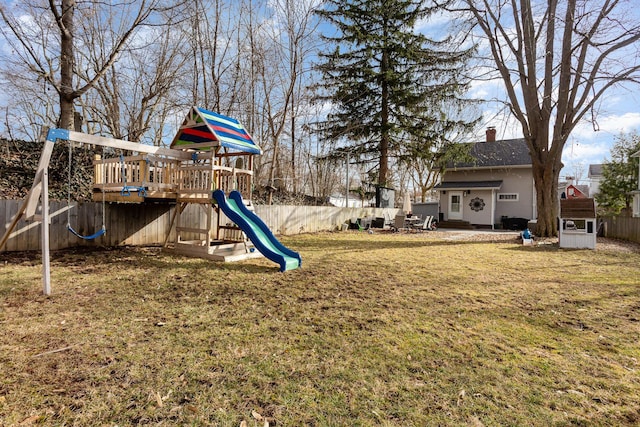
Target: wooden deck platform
[(133, 197), (217, 251)]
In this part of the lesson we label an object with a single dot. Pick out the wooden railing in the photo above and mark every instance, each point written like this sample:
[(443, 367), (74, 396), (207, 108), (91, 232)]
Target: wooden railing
[(162, 178), (196, 182), (155, 174), (236, 179)]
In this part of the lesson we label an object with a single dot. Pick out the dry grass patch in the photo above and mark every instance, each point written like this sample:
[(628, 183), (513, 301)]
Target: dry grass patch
[(375, 329)]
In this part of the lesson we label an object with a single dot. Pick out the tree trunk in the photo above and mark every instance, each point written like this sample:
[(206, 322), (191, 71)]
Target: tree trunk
[(546, 178), (67, 63), (384, 124), (384, 155), (293, 146)]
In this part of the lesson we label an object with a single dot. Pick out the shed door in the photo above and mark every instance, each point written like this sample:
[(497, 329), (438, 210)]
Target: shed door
[(455, 205)]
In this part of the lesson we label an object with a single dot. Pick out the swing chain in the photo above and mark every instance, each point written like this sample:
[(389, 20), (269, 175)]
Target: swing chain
[(103, 229)]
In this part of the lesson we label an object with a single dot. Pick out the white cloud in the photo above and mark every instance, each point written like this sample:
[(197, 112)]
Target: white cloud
[(496, 115), (486, 89), (584, 147), (587, 146), (613, 124), (593, 152), (434, 25)]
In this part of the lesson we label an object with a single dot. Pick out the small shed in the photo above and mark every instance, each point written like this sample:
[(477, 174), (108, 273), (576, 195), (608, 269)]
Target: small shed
[(577, 223)]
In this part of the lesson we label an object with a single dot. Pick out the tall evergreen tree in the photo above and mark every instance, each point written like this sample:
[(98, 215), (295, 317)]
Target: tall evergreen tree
[(620, 175), (389, 86)]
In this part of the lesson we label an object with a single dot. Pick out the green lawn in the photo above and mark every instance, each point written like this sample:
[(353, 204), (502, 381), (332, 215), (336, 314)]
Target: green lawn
[(373, 330)]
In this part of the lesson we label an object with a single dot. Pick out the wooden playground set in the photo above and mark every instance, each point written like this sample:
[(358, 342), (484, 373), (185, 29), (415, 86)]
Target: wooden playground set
[(209, 164)]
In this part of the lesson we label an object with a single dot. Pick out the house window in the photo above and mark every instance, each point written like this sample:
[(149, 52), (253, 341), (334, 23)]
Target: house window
[(507, 197), (455, 203), (576, 225)]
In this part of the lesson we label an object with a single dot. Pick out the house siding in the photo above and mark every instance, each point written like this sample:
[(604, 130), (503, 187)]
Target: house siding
[(514, 180), (478, 217)]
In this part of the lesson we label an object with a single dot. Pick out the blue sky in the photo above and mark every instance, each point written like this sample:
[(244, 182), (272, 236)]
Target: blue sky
[(618, 112)]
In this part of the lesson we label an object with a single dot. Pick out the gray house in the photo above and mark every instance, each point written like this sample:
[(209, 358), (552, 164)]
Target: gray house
[(495, 190)]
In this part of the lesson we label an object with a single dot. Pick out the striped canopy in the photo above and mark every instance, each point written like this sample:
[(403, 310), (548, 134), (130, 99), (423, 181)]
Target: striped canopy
[(213, 130)]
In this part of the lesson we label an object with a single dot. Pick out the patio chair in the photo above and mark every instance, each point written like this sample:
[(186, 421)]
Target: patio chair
[(399, 222), (424, 225), (388, 222)]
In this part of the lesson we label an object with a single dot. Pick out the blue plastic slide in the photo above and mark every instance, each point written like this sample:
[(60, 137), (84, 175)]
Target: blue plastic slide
[(257, 231)]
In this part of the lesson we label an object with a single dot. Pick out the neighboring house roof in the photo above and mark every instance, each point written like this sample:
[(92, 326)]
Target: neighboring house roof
[(595, 170), (466, 185), (576, 191), (584, 189), (509, 152), (577, 208)]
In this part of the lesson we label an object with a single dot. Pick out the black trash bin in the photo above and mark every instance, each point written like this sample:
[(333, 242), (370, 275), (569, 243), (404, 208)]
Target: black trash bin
[(515, 223), (377, 223)]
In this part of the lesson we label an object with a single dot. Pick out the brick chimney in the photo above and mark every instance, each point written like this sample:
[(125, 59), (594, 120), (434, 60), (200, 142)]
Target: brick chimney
[(491, 134)]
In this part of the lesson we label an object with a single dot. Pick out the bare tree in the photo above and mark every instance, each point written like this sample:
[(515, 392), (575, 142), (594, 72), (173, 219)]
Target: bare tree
[(30, 98), (557, 59), (215, 43), (56, 61), (143, 82), (280, 49), (132, 65), (299, 31)]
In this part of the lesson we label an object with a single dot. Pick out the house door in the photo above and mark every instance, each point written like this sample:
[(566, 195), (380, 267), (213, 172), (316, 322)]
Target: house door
[(455, 205)]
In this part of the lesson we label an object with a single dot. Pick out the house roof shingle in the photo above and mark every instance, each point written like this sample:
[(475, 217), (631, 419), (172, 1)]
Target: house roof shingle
[(584, 189), (466, 185), (577, 208), (508, 152)]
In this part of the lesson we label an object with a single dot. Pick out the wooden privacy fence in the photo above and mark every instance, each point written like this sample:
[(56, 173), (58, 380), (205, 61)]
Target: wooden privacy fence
[(149, 224), (622, 227)]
